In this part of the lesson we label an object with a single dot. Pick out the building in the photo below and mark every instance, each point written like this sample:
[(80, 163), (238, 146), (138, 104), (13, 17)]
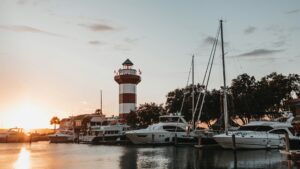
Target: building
[(294, 106), (66, 124), (127, 78)]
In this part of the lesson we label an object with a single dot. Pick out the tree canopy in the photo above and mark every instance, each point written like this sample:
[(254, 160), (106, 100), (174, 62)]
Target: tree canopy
[(247, 98)]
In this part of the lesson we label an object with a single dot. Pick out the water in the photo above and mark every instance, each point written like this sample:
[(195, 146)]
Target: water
[(43, 155)]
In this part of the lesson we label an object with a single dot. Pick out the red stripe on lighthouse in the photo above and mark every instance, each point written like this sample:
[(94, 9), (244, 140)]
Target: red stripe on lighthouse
[(127, 98)]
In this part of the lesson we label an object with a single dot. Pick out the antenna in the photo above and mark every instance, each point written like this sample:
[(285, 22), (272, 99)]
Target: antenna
[(101, 101)]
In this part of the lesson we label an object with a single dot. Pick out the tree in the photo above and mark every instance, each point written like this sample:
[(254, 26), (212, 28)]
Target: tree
[(132, 119), (98, 111), (149, 113), (55, 120)]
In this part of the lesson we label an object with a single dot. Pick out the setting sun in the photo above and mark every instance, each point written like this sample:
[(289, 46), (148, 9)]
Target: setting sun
[(28, 116)]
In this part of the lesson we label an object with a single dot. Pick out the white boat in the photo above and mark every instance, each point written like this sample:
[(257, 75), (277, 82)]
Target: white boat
[(62, 136), (257, 135), (107, 132), (170, 129)]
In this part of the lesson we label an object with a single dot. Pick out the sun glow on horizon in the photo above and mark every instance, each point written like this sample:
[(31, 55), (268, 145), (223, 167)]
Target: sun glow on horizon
[(28, 116)]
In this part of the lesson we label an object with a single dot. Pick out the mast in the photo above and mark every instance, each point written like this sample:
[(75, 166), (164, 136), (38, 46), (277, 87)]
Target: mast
[(193, 92), (224, 78)]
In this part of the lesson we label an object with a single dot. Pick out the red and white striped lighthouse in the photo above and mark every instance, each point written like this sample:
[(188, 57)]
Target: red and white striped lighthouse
[(127, 78)]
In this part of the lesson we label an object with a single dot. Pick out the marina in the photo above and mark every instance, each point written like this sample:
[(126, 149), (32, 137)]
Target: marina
[(149, 84)]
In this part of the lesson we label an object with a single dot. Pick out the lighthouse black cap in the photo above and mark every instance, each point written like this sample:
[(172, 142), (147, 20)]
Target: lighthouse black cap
[(127, 63)]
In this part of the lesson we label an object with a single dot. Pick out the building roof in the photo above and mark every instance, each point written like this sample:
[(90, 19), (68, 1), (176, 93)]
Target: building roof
[(127, 63)]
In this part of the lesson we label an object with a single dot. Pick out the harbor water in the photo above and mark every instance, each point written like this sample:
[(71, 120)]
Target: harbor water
[(43, 155)]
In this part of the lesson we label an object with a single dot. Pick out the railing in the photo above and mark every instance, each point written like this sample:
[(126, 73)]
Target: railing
[(127, 72)]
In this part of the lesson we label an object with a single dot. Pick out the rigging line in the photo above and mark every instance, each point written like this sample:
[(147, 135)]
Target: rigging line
[(209, 61), (211, 65), (187, 83)]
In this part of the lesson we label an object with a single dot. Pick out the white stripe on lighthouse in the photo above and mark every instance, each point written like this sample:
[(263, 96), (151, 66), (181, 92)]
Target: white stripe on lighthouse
[(127, 88), (126, 107)]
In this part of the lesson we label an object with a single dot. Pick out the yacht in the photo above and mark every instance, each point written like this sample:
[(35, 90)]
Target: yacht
[(257, 135), (62, 136), (169, 130), (109, 131), (14, 135)]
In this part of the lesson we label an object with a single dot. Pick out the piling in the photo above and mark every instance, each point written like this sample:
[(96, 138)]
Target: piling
[(234, 150), (233, 142), (287, 142), (199, 140)]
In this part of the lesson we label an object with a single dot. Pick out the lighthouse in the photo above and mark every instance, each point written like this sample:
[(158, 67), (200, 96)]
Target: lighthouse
[(127, 78)]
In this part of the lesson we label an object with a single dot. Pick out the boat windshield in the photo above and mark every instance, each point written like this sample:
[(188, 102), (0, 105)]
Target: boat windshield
[(170, 119), (255, 128)]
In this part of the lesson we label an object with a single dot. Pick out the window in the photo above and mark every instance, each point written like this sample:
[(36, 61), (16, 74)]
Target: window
[(255, 128), (278, 131), (173, 129)]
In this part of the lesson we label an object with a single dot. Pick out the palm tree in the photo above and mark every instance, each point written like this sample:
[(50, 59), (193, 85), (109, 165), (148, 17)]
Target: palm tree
[(55, 120)]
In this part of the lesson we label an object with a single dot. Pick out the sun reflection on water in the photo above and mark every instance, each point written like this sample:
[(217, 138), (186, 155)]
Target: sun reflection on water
[(23, 161)]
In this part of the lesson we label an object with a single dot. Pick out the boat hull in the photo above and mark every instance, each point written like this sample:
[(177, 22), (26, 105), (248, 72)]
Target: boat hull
[(159, 138), (250, 141), (61, 139)]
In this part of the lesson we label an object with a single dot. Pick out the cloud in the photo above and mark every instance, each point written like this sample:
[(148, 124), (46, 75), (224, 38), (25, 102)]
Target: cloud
[(209, 40), (98, 27), (293, 11), (95, 42), (23, 28), (250, 30), (260, 52)]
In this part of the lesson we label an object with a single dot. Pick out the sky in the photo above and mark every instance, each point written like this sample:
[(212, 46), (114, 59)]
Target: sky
[(56, 56)]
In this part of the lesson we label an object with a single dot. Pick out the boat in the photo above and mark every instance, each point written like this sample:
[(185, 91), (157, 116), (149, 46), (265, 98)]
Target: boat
[(108, 131), (257, 135), (171, 129), (62, 136), (14, 135)]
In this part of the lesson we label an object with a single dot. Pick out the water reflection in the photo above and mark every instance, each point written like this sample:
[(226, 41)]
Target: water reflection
[(70, 156), (23, 161), (191, 158)]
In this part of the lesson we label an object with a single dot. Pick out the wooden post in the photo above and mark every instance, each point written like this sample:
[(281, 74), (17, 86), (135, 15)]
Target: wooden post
[(234, 150), (199, 140), (233, 142), (287, 142), (30, 138), (176, 141)]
